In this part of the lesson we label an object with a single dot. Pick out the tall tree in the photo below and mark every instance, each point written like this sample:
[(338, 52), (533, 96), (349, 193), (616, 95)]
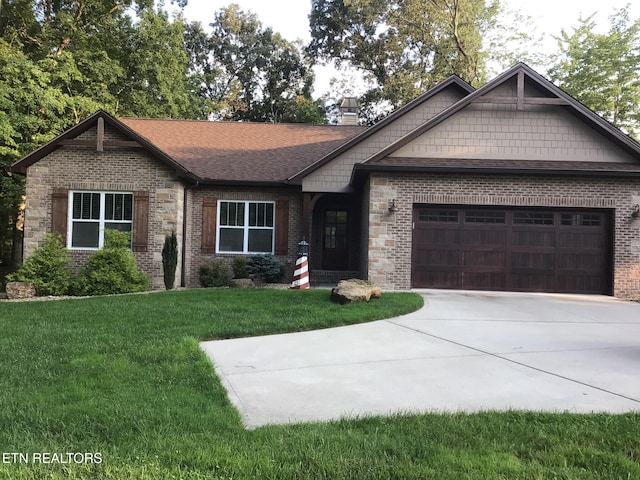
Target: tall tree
[(61, 60), (602, 70), (404, 46), (249, 72)]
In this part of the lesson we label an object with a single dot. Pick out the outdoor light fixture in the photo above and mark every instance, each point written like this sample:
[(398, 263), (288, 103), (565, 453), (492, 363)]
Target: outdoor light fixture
[(636, 212), (392, 206), (303, 248)]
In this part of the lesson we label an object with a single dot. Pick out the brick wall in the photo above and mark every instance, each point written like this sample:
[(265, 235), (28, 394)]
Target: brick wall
[(115, 169), (390, 235), (196, 258)]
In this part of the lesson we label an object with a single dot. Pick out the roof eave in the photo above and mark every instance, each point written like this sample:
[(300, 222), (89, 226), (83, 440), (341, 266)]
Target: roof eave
[(362, 170), (21, 166)]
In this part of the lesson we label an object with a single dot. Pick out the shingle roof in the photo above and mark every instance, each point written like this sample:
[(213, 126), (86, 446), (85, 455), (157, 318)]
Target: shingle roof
[(247, 152)]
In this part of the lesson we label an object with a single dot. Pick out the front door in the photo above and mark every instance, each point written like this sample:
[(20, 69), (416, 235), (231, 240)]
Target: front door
[(335, 251)]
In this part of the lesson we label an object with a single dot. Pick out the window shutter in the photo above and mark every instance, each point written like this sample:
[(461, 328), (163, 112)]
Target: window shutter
[(282, 227), (140, 221), (60, 212), (209, 206)]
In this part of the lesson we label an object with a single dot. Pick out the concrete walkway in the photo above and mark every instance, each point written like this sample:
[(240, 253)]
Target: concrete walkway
[(464, 351)]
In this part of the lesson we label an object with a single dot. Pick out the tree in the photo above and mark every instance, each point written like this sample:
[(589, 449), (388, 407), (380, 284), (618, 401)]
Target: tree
[(603, 70), (249, 72), (406, 46), (61, 60)]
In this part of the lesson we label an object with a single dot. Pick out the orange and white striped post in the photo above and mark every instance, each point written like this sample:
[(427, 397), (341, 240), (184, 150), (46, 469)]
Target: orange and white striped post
[(301, 274)]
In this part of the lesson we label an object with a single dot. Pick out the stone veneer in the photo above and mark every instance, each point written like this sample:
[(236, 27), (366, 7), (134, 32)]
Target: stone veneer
[(390, 238), (114, 169)]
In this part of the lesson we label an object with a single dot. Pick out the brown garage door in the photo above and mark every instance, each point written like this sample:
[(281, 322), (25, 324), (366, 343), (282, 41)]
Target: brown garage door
[(512, 249)]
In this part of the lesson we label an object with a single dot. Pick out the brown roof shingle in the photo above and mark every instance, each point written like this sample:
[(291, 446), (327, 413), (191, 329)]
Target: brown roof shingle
[(248, 152)]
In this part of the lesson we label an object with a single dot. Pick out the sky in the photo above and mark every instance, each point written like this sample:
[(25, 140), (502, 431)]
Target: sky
[(290, 19)]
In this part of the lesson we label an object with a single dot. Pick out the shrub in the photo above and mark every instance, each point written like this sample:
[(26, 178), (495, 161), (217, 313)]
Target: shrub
[(240, 267), (112, 269), (48, 268), (216, 274), (266, 268), (170, 259)]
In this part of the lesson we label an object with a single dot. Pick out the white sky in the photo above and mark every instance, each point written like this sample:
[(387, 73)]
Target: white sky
[(290, 18)]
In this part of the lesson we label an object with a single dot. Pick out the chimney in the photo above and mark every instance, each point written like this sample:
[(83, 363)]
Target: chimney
[(349, 111)]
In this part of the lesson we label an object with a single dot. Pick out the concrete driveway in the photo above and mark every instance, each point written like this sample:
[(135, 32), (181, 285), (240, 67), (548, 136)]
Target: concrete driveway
[(464, 351)]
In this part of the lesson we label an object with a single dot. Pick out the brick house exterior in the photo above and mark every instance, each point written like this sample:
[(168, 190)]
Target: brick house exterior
[(513, 186)]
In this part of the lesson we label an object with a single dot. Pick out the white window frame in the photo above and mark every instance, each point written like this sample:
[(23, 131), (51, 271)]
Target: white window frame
[(246, 227), (101, 221)]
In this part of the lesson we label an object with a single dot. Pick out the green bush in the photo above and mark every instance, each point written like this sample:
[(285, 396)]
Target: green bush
[(265, 268), (240, 267), (112, 269), (170, 259), (48, 268), (216, 274)]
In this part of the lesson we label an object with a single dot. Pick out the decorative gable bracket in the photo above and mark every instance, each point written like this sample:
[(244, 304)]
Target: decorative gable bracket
[(520, 100)]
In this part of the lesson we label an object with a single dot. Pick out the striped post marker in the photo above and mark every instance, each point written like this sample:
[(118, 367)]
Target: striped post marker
[(301, 274)]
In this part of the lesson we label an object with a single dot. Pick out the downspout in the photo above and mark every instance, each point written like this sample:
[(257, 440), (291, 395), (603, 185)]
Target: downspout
[(183, 260)]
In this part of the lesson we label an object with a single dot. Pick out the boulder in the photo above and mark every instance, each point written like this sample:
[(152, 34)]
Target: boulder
[(17, 290), (355, 290), (242, 283)]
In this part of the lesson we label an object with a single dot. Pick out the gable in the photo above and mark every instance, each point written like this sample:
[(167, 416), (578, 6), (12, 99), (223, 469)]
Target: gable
[(334, 175), (499, 131), (518, 118)]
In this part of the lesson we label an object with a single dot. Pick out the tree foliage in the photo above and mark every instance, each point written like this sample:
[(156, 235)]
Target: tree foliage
[(602, 70), (250, 72), (405, 46)]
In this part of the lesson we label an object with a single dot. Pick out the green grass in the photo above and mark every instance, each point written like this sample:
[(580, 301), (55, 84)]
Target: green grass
[(124, 376)]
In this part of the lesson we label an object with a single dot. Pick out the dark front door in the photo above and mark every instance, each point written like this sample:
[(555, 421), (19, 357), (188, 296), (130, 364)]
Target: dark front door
[(512, 249), (335, 248)]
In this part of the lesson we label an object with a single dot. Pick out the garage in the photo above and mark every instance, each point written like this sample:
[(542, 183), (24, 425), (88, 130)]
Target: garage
[(513, 249)]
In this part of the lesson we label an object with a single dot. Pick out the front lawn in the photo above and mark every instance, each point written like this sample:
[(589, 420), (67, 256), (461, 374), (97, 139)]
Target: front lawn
[(123, 377)]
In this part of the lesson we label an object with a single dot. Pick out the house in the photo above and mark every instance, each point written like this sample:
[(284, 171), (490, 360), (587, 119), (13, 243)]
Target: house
[(513, 186)]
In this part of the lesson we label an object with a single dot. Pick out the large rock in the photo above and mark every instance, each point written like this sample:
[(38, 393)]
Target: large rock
[(17, 290), (355, 290)]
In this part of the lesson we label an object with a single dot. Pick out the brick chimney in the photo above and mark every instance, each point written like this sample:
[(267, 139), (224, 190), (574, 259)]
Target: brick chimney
[(349, 111)]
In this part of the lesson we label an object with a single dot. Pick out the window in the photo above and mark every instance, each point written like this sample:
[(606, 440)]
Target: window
[(533, 218), (245, 227), (91, 213), (581, 219), (438, 215), (481, 216)]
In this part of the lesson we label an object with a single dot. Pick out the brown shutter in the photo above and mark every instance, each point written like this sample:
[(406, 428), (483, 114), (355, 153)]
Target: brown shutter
[(140, 221), (209, 206), (282, 227), (60, 212)]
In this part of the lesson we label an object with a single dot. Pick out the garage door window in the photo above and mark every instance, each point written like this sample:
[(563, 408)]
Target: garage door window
[(484, 217), (581, 219), (527, 218), (438, 215)]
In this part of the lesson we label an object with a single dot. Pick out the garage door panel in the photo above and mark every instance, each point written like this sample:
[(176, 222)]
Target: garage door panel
[(484, 280), (512, 249)]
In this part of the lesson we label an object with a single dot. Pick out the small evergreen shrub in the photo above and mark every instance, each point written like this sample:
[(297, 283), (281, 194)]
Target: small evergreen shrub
[(170, 259), (240, 267), (266, 268), (48, 268), (112, 270), (216, 274)]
